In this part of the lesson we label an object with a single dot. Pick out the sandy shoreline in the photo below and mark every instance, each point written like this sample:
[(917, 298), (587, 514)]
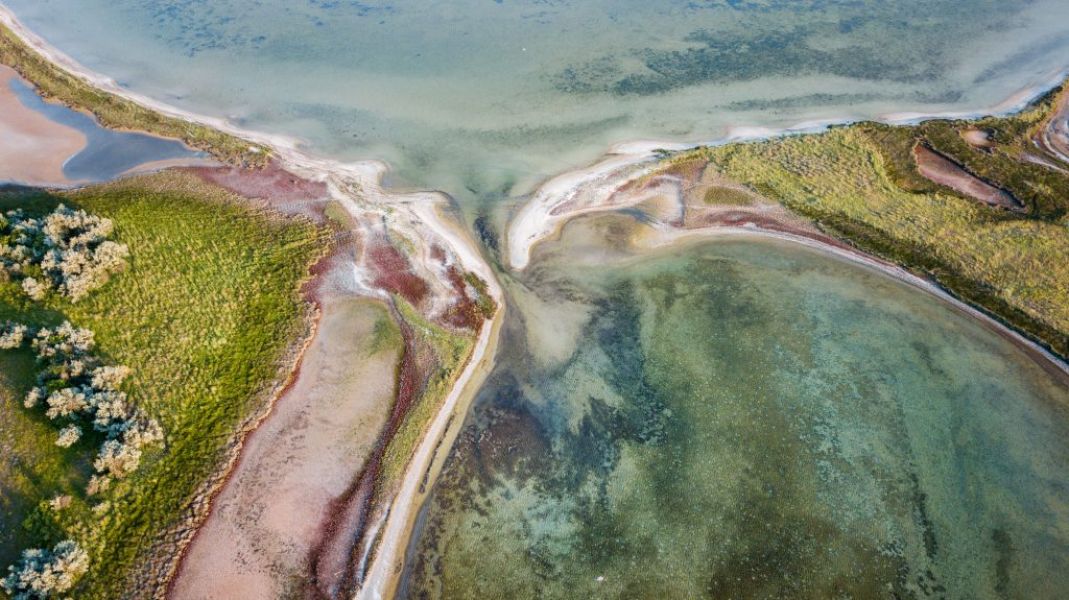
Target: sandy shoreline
[(1048, 361), (541, 215), (357, 186)]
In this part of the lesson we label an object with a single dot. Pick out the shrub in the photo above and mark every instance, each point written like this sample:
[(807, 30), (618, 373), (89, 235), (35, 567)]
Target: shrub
[(42, 574), (75, 385), (67, 251)]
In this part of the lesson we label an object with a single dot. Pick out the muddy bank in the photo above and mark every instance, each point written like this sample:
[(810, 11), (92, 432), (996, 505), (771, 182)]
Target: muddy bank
[(942, 170), (264, 523), (34, 147)]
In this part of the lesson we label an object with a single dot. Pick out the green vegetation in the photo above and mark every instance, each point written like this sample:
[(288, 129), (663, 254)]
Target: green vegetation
[(116, 112), (449, 352), (726, 196), (204, 315), (860, 183), (484, 302)]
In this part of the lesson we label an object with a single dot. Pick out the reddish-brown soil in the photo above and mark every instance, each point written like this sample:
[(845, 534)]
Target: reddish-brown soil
[(33, 148), (335, 560), (285, 191)]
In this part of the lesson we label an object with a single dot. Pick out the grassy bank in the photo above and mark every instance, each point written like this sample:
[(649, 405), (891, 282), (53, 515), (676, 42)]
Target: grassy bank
[(449, 353), (860, 183), (113, 111), (204, 315)]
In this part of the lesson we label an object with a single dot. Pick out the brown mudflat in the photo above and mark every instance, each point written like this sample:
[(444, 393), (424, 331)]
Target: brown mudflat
[(266, 521), (944, 171), (33, 148)]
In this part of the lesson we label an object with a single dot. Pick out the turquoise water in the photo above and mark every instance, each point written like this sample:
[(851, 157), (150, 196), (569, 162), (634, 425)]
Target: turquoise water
[(483, 98), (750, 420), (107, 153)]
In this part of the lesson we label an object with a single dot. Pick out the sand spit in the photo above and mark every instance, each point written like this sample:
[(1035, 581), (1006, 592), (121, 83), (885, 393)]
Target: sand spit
[(381, 578), (582, 191), (673, 210), (436, 243), (33, 148)]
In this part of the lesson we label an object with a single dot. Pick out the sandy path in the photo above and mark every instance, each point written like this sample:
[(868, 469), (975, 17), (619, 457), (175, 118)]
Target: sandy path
[(1055, 136), (33, 148), (257, 540), (381, 579)]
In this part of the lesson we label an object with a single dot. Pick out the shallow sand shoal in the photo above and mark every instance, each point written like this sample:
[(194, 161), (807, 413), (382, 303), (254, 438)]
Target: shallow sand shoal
[(33, 148), (266, 521)]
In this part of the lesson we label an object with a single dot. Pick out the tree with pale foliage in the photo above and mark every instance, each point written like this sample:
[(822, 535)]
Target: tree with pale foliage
[(76, 386), (67, 251), (69, 436), (12, 335), (42, 574)]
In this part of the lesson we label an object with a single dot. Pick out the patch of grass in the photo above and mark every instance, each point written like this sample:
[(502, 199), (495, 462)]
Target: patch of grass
[(119, 113), (860, 183), (451, 351), (337, 214), (204, 315), (484, 302), (726, 196), (384, 335)]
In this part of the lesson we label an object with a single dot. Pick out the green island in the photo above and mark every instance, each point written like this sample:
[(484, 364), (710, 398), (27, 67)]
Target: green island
[(860, 183), (206, 315)]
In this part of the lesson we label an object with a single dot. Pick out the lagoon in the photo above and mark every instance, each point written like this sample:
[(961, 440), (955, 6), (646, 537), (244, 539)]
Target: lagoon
[(748, 419)]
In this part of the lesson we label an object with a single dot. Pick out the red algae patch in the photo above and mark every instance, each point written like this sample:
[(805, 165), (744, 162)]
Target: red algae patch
[(944, 171), (283, 189), (393, 272), (33, 148), (265, 523)]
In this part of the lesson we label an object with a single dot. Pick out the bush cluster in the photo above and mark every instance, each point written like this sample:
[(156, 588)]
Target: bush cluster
[(67, 251), (42, 574), (76, 387)]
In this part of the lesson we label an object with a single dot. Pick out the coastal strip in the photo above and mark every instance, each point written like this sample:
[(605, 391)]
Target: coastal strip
[(356, 187), (584, 190), (56, 75)]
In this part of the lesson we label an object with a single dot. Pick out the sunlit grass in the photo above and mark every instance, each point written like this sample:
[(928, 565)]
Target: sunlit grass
[(859, 182), (204, 315)]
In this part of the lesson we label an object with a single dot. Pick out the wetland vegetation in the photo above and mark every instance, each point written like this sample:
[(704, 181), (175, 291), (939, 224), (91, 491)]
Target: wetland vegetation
[(204, 315), (861, 183)]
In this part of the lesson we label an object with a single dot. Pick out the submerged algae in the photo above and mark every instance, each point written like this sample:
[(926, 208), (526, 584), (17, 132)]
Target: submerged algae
[(755, 420)]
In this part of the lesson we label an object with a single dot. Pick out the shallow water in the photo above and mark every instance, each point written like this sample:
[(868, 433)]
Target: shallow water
[(482, 99), (750, 420), (107, 153), (732, 420)]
